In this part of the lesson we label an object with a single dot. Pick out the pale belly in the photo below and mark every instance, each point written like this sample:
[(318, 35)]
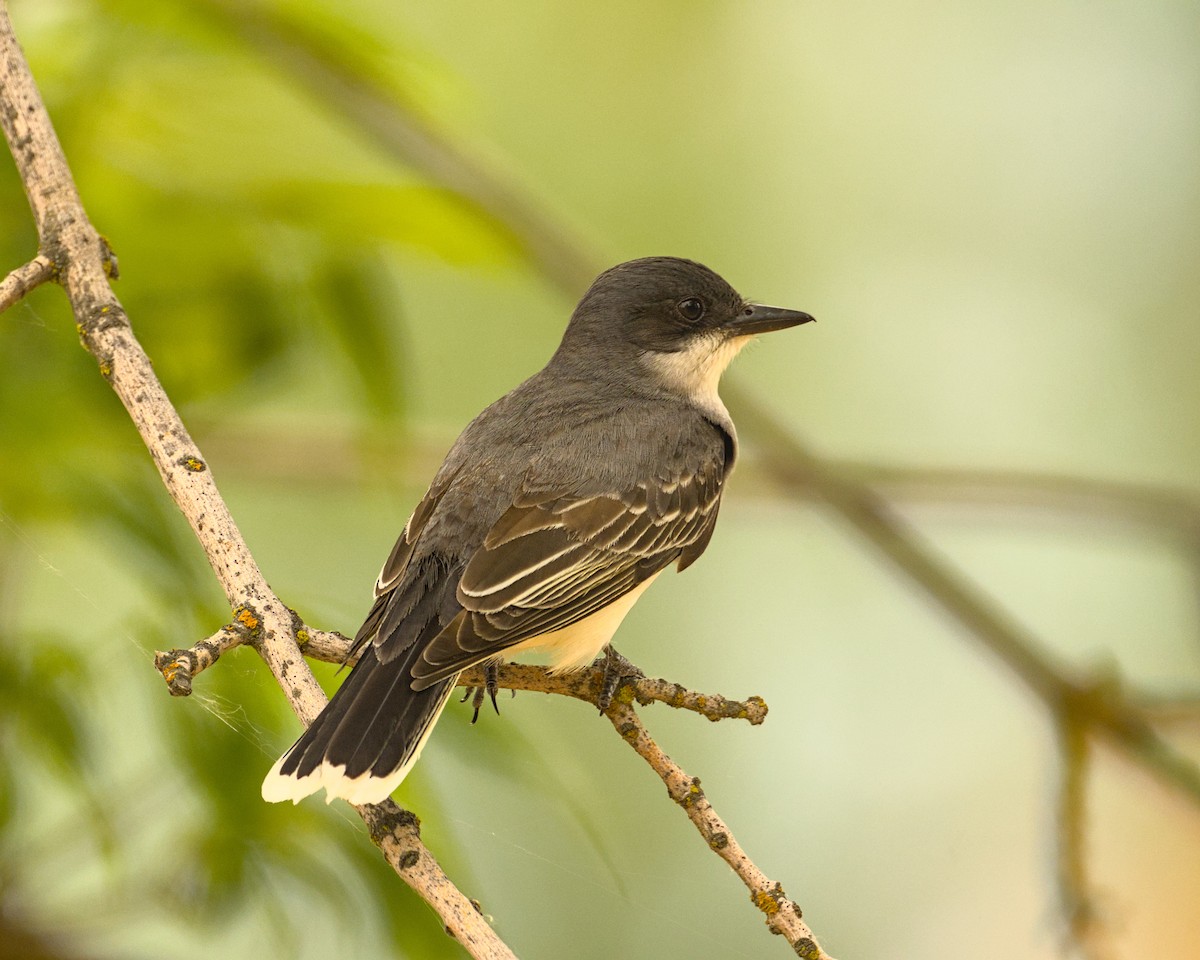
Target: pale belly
[(576, 646)]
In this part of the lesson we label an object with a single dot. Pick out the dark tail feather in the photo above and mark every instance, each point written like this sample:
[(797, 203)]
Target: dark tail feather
[(366, 740)]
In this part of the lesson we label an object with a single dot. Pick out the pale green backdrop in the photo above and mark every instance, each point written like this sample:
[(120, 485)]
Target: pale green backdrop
[(994, 212)]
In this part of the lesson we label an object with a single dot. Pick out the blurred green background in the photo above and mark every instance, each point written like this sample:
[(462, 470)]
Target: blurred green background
[(993, 210)]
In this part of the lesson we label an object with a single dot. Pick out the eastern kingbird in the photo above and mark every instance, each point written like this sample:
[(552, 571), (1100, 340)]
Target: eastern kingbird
[(552, 513)]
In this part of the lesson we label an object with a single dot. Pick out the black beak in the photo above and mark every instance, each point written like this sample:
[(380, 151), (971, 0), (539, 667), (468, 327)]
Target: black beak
[(759, 318)]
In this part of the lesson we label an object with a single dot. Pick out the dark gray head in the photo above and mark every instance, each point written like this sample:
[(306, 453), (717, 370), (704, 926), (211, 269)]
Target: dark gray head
[(672, 319)]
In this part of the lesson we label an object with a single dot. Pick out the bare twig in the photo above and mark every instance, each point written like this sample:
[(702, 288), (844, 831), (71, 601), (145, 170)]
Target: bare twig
[(83, 261), (1171, 510), (585, 685), (326, 645), (26, 277), (1172, 709), (1084, 928), (782, 915), (180, 667)]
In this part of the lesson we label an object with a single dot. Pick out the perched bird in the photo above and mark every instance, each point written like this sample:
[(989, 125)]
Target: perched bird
[(552, 513)]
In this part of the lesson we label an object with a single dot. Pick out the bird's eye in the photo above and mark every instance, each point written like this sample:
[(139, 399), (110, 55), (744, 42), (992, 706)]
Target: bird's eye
[(691, 309)]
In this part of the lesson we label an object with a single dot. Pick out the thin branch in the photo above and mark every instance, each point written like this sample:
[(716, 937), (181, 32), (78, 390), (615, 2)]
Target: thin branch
[(180, 667), (585, 685), (1084, 928), (782, 915), (1170, 509), (332, 457), (1172, 709), (26, 277), (84, 263)]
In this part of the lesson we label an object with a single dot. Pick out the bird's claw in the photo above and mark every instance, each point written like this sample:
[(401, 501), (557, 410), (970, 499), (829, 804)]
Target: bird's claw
[(616, 668), (491, 685)]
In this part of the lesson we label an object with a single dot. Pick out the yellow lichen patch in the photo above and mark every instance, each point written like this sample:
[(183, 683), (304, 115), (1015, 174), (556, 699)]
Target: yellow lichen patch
[(194, 464), (302, 637), (766, 902), (807, 949), (693, 794), (245, 616)]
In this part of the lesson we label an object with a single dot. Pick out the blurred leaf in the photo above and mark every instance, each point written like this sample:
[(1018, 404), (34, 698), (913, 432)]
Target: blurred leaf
[(40, 684), (141, 514), (363, 311), (424, 217)]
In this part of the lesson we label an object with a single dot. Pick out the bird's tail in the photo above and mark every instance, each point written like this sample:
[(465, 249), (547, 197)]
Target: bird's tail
[(366, 740)]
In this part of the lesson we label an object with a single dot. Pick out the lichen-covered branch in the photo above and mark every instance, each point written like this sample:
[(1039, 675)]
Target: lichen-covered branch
[(179, 667), (585, 685), (24, 278), (782, 915), (83, 263)]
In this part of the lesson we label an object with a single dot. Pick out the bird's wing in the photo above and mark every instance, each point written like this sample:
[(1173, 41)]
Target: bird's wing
[(557, 556), (414, 600)]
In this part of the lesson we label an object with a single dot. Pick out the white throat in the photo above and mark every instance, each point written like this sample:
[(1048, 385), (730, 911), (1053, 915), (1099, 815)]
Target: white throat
[(695, 373)]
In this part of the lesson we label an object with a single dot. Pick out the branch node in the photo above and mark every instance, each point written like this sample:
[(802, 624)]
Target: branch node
[(769, 901), (94, 320), (251, 623), (389, 819), (179, 667), (692, 795), (193, 464), (108, 258)]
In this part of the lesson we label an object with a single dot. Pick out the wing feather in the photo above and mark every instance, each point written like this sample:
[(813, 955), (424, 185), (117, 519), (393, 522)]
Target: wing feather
[(556, 557)]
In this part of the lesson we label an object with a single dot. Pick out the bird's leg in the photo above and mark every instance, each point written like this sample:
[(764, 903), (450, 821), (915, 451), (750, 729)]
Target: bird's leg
[(491, 684), (616, 669), (491, 680)]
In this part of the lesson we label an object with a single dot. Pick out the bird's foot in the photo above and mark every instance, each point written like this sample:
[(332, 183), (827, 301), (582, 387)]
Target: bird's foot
[(616, 669), (491, 684)]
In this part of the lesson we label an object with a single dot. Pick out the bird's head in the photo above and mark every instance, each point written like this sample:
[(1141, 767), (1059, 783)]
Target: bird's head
[(677, 320)]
